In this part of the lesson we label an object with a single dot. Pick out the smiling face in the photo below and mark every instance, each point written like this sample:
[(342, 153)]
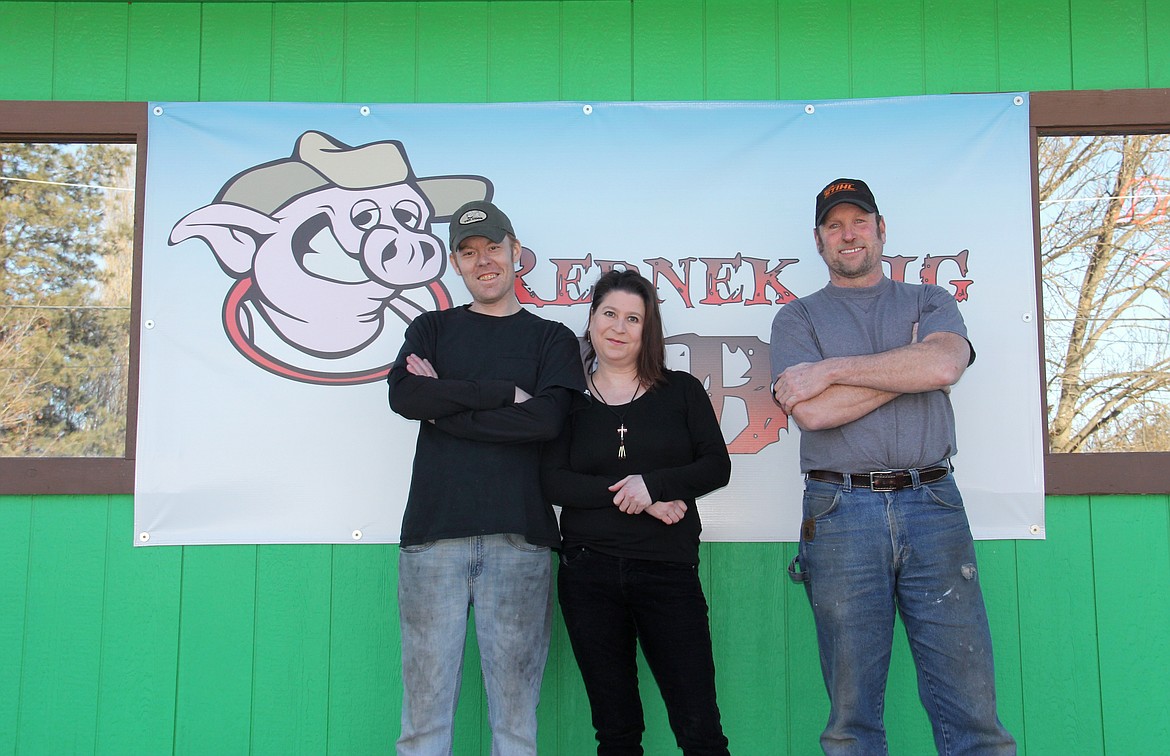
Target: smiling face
[(615, 329), (488, 270), (851, 240)]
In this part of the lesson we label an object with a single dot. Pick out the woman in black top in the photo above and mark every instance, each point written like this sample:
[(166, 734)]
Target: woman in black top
[(626, 471)]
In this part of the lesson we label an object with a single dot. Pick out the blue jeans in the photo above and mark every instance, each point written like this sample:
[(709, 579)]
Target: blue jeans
[(866, 554), (509, 582), (609, 605)]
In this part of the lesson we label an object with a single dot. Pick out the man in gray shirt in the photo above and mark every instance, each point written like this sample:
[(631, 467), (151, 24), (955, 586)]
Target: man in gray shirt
[(864, 366)]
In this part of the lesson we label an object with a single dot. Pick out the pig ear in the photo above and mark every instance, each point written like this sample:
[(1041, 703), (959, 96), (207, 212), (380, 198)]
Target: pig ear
[(234, 233)]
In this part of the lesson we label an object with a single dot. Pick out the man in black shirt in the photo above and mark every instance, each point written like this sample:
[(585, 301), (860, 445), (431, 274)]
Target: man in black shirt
[(489, 382)]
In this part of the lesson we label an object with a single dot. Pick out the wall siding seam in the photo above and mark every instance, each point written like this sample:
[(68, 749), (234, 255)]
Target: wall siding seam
[(1096, 618), (97, 719), (258, 550), (179, 642), (24, 626), (922, 85)]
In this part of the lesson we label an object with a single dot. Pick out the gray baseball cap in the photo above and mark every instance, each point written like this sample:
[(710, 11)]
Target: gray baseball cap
[(479, 218)]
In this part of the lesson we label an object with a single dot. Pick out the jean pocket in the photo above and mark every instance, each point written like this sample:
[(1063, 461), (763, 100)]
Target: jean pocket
[(944, 493), (677, 568), (574, 557), (417, 548), (517, 542), (820, 501)]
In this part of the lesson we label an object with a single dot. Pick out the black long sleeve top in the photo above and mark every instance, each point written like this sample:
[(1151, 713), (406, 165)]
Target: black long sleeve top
[(673, 441), (477, 465)]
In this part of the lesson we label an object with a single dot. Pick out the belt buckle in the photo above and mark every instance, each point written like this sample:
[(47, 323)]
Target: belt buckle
[(890, 475)]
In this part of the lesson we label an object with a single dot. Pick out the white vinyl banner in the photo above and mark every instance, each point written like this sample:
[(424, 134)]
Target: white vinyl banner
[(274, 300)]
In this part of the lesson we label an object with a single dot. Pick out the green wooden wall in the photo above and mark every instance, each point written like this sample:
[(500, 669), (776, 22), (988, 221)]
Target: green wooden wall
[(105, 648)]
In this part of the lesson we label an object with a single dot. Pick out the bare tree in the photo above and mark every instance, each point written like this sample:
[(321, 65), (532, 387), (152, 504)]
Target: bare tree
[(1105, 251)]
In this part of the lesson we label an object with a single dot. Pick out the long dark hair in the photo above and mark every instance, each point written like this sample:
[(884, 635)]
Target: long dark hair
[(652, 356)]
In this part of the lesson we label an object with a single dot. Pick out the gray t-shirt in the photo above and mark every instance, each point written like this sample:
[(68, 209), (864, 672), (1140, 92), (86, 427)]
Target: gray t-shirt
[(913, 430)]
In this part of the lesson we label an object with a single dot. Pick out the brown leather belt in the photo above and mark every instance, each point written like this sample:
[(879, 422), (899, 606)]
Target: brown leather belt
[(882, 480)]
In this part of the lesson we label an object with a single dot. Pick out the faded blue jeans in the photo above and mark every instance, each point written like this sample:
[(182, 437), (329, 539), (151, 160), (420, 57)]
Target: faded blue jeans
[(867, 554), (509, 582)]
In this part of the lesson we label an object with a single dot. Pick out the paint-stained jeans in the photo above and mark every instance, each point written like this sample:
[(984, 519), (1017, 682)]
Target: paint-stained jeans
[(867, 554), (509, 582)]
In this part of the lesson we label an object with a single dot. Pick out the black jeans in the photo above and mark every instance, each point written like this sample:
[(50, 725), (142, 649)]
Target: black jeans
[(610, 604)]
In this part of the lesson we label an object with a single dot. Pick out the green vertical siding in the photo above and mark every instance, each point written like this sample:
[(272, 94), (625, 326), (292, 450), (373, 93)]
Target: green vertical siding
[(669, 47), (235, 51), (379, 66), (139, 639), (452, 50), (105, 648), (886, 47), (595, 50), (960, 46), (740, 61), (63, 614), (308, 46), (163, 32), (1057, 601), (1157, 41), (815, 59), (294, 649), (90, 50), (1034, 45), (365, 679), (16, 525), (1131, 569), (27, 40), (215, 665), (1109, 49), (524, 51)]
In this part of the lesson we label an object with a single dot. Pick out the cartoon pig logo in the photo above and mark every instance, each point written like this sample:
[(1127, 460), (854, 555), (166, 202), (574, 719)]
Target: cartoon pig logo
[(323, 246)]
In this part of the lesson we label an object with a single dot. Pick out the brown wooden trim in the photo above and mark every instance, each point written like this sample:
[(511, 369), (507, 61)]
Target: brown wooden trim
[(1100, 111), (1107, 473), (66, 475), (136, 294), (123, 122), (33, 120), (1038, 274)]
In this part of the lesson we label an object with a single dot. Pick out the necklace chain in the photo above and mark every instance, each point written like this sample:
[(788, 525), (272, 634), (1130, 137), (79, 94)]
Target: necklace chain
[(621, 416)]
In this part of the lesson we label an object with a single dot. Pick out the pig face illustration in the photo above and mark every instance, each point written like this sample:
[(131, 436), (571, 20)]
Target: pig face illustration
[(324, 247)]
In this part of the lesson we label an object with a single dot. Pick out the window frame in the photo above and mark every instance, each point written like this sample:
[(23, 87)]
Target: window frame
[(1051, 113), (1117, 111), (93, 122)]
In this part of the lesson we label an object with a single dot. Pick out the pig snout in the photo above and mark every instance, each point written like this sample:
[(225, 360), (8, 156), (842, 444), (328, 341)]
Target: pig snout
[(396, 258)]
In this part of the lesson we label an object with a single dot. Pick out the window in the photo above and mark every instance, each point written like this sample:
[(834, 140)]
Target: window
[(70, 197), (66, 257), (1104, 251), (1102, 189)]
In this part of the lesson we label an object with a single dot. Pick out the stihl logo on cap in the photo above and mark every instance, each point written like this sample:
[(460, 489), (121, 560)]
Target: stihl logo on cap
[(472, 216), (844, 186)]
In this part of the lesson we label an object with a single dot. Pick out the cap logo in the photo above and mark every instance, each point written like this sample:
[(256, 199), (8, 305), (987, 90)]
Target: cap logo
[(842, 187), (472, 216)]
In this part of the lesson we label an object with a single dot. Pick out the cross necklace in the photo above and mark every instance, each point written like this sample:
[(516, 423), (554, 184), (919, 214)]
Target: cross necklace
[(621, 416)]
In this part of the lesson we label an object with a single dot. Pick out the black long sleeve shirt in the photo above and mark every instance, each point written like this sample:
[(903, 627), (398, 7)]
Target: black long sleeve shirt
[(476, 466), (673, 441)]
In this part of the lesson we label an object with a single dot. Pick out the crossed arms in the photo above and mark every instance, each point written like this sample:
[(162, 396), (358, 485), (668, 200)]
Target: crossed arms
[(838, 390)]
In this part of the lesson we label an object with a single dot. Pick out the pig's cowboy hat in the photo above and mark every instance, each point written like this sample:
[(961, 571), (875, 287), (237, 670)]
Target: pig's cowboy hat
[(320, 161)]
